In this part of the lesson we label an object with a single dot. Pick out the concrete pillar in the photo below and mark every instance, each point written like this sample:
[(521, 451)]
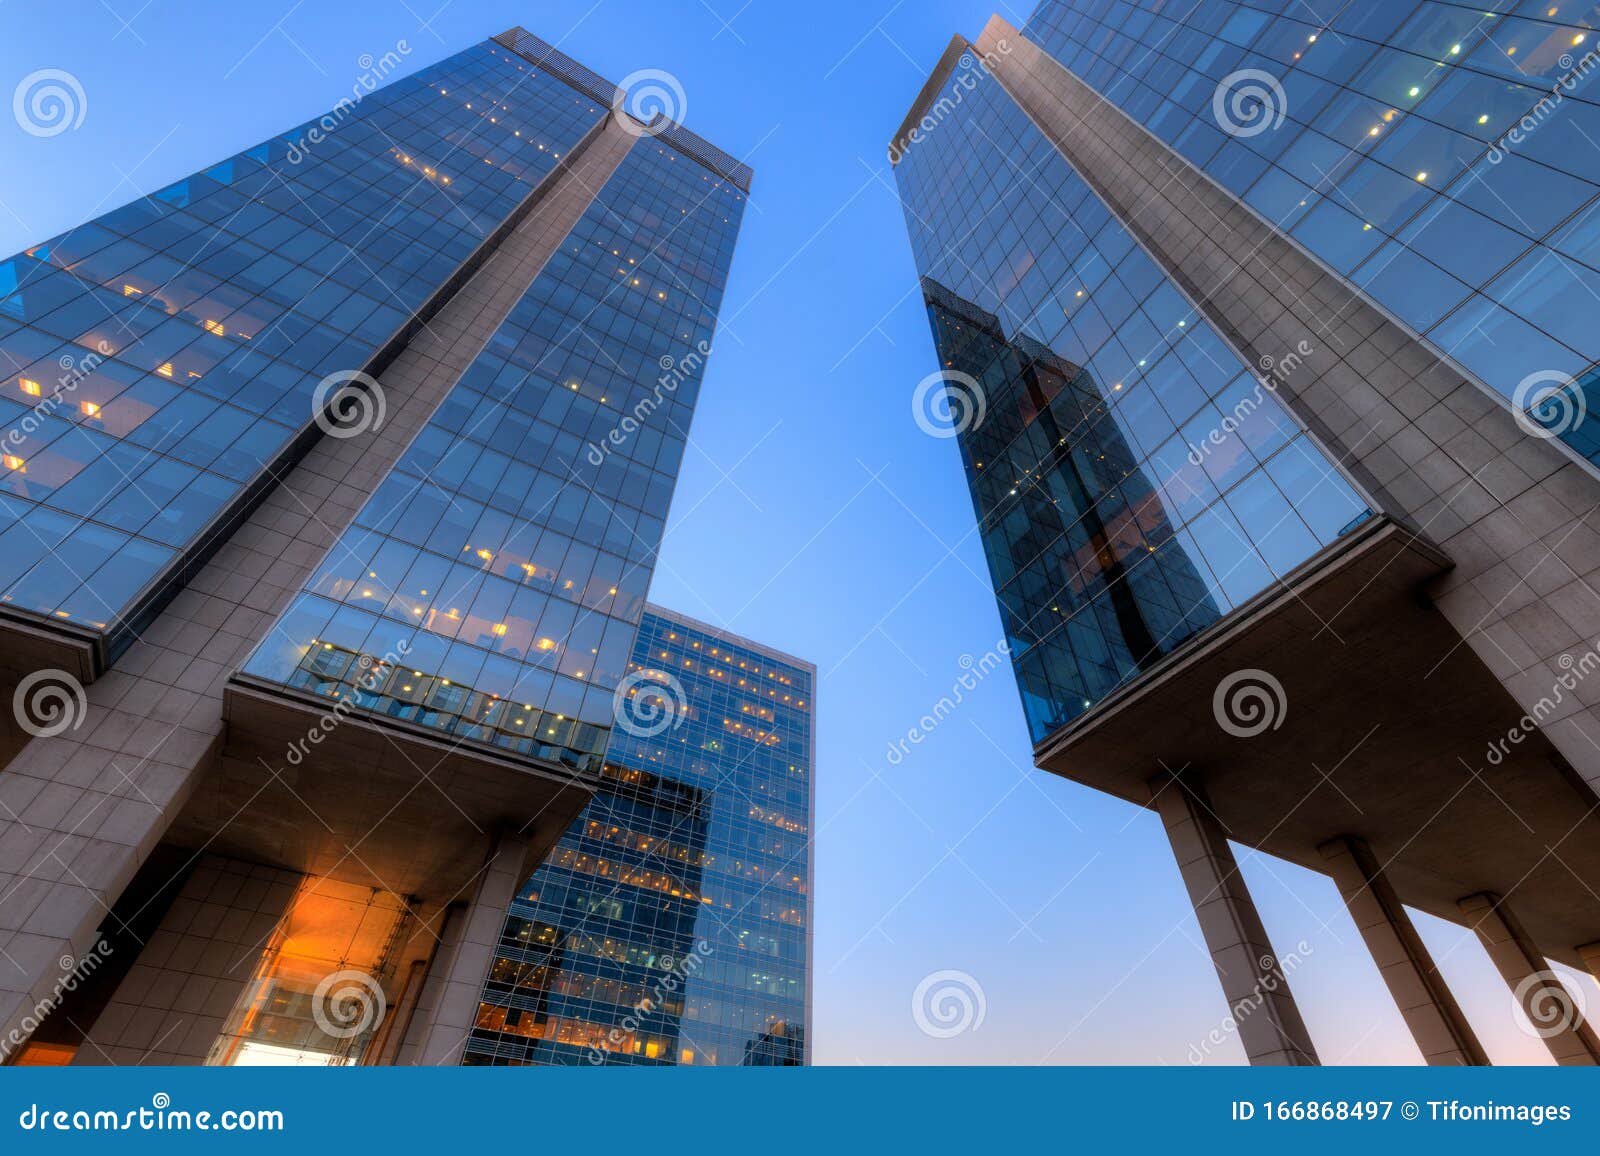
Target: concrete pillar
[(448, 1006), (1591, 958), (1549, 1006), (1430, 1011), (1256, 989)]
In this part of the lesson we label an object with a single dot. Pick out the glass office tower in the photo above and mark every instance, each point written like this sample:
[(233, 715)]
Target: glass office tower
[(1440, 155), (672, 924), (160, 361), (505, 564), (1265, 332), (1115, 530), (347, 460)]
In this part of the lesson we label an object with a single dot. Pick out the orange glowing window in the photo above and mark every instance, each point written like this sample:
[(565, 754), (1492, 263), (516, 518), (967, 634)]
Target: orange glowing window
[(90, 409), (12, 462), (29, 386)]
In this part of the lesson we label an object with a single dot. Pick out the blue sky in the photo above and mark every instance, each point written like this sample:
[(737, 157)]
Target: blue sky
[(812, 513)]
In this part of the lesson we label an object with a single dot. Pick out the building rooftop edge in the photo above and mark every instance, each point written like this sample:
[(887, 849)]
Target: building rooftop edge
[(597, 88), (692, 623), (941, 73)]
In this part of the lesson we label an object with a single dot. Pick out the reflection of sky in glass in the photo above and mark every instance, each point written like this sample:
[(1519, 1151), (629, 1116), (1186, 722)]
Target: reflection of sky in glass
[(153, 360), (503, 564), (1392, 163), (1134, 480)]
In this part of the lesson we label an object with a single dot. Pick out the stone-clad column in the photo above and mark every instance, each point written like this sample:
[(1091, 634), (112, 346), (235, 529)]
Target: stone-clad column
[(1437, 1024), (1253, 982), (449, 1004), (1550, 1008)]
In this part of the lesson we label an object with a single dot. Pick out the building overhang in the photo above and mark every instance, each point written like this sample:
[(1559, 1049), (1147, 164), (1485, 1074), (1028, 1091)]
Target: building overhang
[(1384, 730), (28, 644), (372, 801)]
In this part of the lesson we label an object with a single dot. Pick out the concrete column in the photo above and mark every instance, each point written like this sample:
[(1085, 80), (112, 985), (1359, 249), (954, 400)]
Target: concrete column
[(1256, 989), (1430, 1011), (1591, 958), (448, 1006), (1548, 1004)]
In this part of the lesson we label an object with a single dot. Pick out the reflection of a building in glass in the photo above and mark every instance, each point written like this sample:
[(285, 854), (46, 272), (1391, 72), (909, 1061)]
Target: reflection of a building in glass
[(1093, 584), (670, 925), (780, 1046)]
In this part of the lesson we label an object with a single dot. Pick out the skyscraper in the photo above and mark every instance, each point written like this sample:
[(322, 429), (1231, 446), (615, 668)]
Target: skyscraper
[(336, 474), (1270, 389), (672, 923)]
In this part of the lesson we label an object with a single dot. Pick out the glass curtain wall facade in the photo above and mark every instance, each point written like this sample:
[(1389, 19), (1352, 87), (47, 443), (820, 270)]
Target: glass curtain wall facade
[(156, 360), (1442, 156), (671, 925), (1115, 529), (507, 555)]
